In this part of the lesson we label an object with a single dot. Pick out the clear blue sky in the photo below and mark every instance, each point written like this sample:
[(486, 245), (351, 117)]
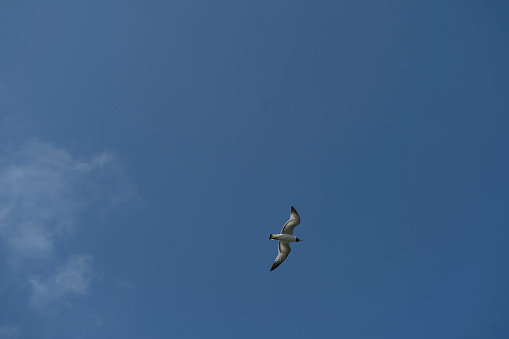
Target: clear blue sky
[(148, 148)]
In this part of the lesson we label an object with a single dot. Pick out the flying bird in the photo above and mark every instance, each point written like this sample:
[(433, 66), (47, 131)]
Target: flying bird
[(285, 238)]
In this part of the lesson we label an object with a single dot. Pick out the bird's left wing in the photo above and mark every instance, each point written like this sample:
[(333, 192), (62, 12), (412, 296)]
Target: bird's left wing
[(284, 250)]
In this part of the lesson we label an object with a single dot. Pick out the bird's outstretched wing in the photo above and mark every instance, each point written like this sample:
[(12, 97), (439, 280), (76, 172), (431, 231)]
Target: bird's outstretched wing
[(284, 250), (290, 224)]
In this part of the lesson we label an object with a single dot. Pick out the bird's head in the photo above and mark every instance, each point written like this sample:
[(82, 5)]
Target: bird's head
[(298, 240)]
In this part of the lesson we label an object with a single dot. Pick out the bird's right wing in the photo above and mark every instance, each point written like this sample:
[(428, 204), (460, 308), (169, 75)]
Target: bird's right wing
[(290, 224), (284, 250)]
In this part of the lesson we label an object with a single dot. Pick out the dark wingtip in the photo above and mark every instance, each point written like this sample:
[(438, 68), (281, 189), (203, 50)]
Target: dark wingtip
[(270, 236), (275, 265)]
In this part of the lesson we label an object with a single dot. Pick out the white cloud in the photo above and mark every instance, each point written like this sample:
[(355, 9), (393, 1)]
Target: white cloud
[(72, 278), (8, 332), (43, 190)]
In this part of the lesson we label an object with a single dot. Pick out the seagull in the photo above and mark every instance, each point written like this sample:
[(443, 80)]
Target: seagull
[(285, 238)]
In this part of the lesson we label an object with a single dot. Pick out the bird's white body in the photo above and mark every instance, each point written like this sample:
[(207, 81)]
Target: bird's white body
[(284, 237)]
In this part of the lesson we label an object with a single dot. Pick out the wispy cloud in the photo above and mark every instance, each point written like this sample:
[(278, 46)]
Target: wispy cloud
[(125, 284), (72, 278), (43, 190), (8, 332)]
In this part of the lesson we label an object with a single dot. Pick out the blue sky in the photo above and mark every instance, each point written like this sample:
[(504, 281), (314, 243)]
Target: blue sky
[(148, 148)]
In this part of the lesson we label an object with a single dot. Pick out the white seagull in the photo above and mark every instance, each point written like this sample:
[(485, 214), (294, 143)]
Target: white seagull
[(285, 238)]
